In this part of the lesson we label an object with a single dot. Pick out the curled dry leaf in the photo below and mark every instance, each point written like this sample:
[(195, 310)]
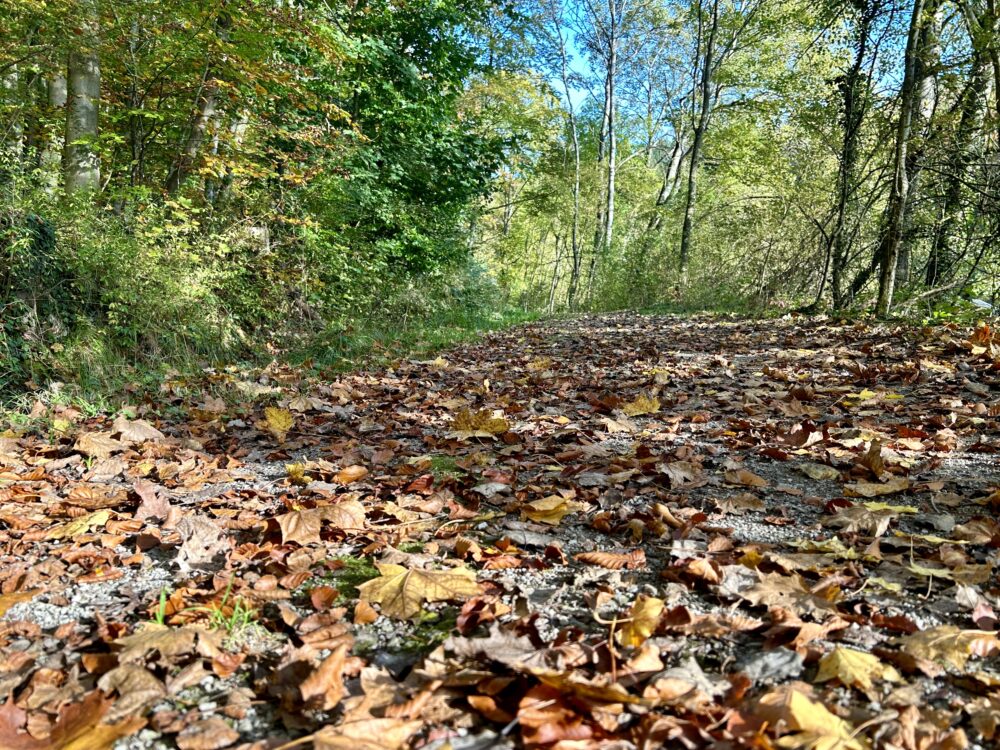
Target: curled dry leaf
[(614, 560), (806, 724)]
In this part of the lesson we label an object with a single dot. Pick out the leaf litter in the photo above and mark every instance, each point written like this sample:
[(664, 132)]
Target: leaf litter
[(614, 531)]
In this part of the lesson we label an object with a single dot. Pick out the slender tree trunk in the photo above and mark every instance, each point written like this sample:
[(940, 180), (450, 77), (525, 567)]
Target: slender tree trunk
[(81, 161), (942, 254), (854, 87), (925, 71), (671, 180), (188, 155), (899, 195), (708, 63), (609, 217), (49, 160)]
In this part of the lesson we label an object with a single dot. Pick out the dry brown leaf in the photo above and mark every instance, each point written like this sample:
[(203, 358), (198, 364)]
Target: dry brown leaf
[(367, 734), (642, 404), (212, 733), (351, 474), (135, 431), (745, 478), (324, 688), (98, 444), (876, 489), (614, 560)]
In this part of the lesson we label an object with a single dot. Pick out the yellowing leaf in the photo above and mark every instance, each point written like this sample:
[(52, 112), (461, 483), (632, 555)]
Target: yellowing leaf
[(402, 592), (97, 444), (351, 474), (854, 668), (816, 728), (642, 405), (874, 489), (278, 422), (949, 644), (480, 423), (876, 506), (551, 509), (297, 474), (819, 471), (79, 526), (643, 618)]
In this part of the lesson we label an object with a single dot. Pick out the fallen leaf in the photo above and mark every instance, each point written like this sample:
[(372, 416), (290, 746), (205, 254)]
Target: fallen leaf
[(351, 474), (642, 619), (98, 444), (551, 509), (324, 688), (79, 526), (948, 644), (278, 422), (402, 592), (854, 669), (815, 728), (614, 560), (875, 489), (642, 404)]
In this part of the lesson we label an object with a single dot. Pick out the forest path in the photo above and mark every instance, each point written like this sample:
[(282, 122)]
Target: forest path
[(609, 529)]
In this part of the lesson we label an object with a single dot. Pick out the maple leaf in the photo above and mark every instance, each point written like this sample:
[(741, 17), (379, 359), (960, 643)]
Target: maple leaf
[(551, 509), (641, 405), (98, 444), (787, 591), (860, 519), (854, 669), (642, 619), (402, 591), (168, 642), (278, 422), (79, 526), (78, 727), (135, 431), (814, 726), (949, 644), (303, 526)]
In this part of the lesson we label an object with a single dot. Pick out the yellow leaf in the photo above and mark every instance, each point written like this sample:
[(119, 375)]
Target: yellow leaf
[(402, 592), (643, 618), (642, 405), (297, 474), (854, 668), (79, 526), (551, 509), (480, 423), (874, 489), (949, 644), (894, 508), (278, 422), (816, 727)]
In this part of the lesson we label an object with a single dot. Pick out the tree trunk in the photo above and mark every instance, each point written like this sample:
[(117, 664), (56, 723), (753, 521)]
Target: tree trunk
[(899, 195), (81, 162), (942, 254), (671, 179), (609, 211), (701, 126), (188, 155)]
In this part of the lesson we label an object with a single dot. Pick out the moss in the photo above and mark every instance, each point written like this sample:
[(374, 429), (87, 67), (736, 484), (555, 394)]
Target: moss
[(350, 572)]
